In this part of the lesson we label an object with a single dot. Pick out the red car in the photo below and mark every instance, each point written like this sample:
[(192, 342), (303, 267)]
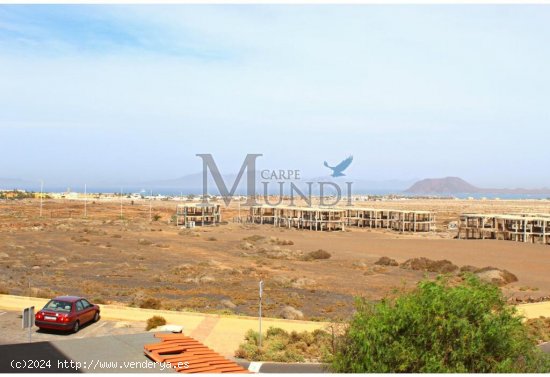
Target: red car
[(67, 313)]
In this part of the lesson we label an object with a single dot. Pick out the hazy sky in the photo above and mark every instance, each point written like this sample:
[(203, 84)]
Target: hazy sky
[(132, 93)]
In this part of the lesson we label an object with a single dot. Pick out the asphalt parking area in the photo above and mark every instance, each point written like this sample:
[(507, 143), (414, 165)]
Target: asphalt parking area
[(111, 353), (104, 346), (12, 333)]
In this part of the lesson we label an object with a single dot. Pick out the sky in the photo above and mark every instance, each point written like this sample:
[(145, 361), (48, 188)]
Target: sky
[(119, 93)]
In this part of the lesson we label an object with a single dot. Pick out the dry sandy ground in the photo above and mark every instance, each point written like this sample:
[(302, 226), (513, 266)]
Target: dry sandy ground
[(217, 269)]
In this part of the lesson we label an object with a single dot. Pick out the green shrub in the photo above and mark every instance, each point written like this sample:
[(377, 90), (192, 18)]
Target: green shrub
[(439, 328), (154, 322), (281, 346), (275, 332), (248, 351)]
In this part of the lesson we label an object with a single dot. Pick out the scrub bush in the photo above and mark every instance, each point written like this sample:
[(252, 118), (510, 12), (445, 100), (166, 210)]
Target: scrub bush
[(439, 328)]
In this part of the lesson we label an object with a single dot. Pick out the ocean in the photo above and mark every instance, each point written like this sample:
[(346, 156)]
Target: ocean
[(198, 191)]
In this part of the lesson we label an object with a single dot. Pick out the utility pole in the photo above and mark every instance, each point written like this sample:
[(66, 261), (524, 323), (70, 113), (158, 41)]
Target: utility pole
[(260, 337)]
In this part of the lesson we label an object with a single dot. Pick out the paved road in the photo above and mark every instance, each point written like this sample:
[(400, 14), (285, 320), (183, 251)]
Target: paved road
[(112, 353)]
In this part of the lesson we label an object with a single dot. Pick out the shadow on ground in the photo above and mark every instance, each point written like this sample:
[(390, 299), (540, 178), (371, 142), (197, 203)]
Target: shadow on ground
[(41, 357)]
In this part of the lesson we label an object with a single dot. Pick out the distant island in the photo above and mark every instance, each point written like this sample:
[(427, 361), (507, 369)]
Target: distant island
[(451, 185)]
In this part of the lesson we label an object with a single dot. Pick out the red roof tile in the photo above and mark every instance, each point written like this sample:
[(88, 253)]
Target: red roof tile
[(188, 355)]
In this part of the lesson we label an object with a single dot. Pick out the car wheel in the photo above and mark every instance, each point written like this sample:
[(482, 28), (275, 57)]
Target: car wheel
[(76, 327), (96, 316)]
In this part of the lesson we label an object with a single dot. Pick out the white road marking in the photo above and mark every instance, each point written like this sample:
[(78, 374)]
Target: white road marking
[(2, 313), (255, 366)]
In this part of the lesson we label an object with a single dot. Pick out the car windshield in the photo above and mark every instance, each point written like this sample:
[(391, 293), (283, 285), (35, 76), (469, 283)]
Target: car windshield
[(58, 306)]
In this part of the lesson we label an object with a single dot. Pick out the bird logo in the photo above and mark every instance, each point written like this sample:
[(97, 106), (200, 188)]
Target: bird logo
[(337, 171)]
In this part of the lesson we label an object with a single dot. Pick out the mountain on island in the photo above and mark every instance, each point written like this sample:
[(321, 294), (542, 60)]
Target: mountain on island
[(455, 185), (442, 186)]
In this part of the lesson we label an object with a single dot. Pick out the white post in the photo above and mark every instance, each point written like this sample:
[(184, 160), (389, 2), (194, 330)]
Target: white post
[(151, 206), (41, 194), (85, 201), (260, 337)]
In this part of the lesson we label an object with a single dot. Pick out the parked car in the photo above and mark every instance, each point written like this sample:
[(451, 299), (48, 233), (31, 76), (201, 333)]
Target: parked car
[(67, 313)]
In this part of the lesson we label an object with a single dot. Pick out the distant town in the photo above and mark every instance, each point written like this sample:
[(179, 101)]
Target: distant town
[(18, 194)]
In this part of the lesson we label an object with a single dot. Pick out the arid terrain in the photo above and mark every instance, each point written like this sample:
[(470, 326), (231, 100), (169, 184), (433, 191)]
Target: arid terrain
[(128, 259)]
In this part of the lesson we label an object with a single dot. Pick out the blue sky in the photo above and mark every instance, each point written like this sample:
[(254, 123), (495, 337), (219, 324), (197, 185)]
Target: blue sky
[(132, 93)]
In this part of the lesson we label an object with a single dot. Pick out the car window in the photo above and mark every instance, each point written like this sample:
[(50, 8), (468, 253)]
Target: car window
[(58, 306), (79, 306), (85, 303)]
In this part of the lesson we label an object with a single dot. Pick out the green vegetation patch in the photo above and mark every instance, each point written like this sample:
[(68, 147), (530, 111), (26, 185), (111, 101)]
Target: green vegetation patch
[(282, 346), (439, 328)]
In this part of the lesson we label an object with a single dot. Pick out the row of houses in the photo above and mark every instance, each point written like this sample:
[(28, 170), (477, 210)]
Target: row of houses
[(335, 218), (520, 227), (314, 218)]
